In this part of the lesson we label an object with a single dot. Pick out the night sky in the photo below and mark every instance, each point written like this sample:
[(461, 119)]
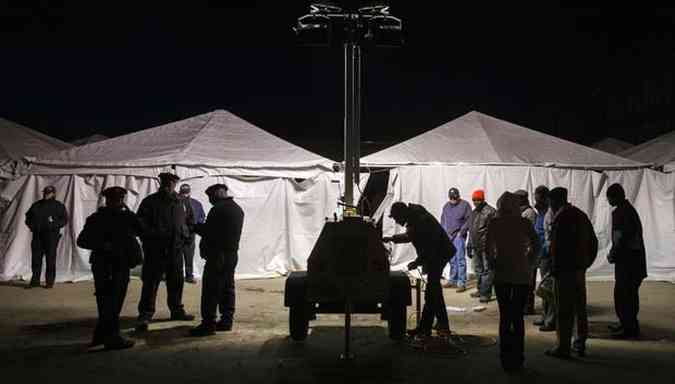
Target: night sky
[(581, 74)]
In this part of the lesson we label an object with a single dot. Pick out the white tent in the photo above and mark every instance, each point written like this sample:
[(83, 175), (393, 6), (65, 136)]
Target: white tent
[(478, 151), (95, 138), (17, 142), (659, 152), (284, 214), (611, 145)]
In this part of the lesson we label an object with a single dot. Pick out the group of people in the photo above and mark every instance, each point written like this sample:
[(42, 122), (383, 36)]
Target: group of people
[(508, 245), (166, 222)]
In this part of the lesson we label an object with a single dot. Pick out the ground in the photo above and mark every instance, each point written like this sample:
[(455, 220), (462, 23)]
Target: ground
[(44, 336)]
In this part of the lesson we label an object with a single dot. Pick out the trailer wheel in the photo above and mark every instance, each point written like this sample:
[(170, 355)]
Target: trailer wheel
[(298, 321), (397, 321)]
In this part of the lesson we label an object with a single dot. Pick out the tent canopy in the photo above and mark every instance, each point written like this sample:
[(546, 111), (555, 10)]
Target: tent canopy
[(19, 141), (215, 139), (611, 145), (659, 152), (478, 139), (89, 139)]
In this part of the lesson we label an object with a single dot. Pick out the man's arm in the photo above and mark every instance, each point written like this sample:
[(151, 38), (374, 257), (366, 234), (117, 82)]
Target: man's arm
[(466, 217), (61, 217)]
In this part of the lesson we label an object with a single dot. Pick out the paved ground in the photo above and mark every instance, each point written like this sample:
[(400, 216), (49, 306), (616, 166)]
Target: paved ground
[(43, 337)]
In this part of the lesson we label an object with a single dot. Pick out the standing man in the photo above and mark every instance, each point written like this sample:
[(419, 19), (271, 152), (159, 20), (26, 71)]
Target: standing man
[(188, 250), (433, 251), (45, 218), (630, 265), (574, 247), (481, 216), (110, 233), (167, 221), (527, 212), (541, 206), (455, 222), (219, 245)]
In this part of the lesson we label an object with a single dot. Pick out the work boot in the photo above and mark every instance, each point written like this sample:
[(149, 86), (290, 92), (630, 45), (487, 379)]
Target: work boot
[(203, 329), (143, 323), (475, 295), (484, 299), (579, 347), (182, 316), (49, 286), (449, 284), (616, 327), (461, 289), (538, 323), (119, 342)]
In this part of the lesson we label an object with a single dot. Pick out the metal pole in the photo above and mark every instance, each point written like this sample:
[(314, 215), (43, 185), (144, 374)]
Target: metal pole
[(348, 125), (356, 136), (347, 355)]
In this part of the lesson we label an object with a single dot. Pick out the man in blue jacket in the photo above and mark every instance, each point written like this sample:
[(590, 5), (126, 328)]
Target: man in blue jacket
[(455, 221)]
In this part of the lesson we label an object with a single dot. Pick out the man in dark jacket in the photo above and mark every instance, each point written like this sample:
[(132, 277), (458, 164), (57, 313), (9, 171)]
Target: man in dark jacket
[(110, 233), (574, 247), (167, 221), (481, 216), (630, 265), (188, 250), (45, 218), (434, 249), (527, 212), (219, 245)]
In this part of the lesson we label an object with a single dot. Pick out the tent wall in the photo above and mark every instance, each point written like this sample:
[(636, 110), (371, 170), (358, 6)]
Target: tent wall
[(651, 192), (283, 219)]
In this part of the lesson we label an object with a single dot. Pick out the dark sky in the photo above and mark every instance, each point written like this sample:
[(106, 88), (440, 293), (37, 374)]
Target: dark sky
[(72, 71)]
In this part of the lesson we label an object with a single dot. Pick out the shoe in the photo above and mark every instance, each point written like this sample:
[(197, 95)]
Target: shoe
[(579, 348), (547, 328), (555, 352), (119, 343), (143, 323), (538, 323), (223, 326), (444, 332), (484, 299), (460, 289), (416, 333), (449, 285), (616, 327), (203, 329), (182, 316), (49, 286), (475, 295), (190, 280)]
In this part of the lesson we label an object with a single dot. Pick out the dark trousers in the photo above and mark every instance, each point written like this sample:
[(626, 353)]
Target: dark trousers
[(627, 302), (158, 262), (218, 291), (434, 305), (511, 299), (484, 273), (188, 253), (529, 303), (570, 292), (44, 245), (111, 284), (548, 315)]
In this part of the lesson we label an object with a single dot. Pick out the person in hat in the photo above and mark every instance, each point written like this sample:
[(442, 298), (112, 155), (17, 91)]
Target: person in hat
[(110, 233), (480, 219), (434, 250), (455, 221), (188, 250), (630, 266), (45, 218), (167, 222), (219, 245)]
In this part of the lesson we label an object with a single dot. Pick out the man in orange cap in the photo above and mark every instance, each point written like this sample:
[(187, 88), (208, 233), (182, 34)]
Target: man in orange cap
[(481, 216)]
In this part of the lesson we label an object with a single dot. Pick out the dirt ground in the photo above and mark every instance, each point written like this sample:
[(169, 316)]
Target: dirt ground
[(44, 336)]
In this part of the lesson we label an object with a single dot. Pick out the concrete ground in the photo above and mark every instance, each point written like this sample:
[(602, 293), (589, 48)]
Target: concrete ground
[(44, 336)]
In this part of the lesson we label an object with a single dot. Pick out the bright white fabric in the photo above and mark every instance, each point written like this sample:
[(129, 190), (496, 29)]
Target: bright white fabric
[(659, 152), (283, 219), (17, 141), (651, 192), (478, 139), (213, 143), (611, 145)]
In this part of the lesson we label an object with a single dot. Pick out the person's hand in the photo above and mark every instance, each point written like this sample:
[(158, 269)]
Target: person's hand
[(611, 258), (412, 265)]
